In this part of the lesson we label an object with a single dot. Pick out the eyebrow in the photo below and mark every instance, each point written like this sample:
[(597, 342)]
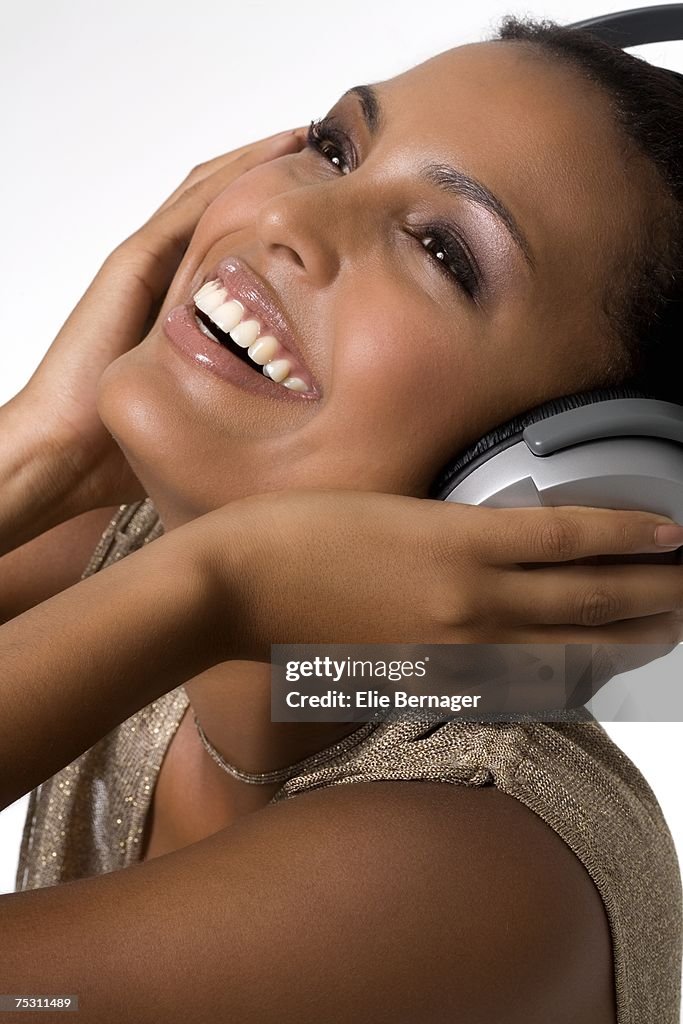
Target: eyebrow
[(443, 176)]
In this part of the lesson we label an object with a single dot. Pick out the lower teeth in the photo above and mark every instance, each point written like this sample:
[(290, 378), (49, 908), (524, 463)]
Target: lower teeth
[(205, 330)]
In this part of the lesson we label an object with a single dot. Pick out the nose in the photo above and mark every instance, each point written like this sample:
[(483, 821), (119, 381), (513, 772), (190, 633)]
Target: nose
[(305, 224)]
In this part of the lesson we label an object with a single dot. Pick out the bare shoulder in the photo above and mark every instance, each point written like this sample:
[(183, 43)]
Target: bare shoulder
[(407, 902), (49, 563)]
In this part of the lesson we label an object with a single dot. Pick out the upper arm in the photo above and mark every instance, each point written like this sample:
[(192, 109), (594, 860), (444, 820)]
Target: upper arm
[(387, 902), (49, 563)]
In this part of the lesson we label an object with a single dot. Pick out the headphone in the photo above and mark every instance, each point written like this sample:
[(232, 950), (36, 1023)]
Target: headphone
[(608, 448)]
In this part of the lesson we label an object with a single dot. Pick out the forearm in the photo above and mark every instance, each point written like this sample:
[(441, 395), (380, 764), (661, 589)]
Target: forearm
[(75, 666), (34, 490)]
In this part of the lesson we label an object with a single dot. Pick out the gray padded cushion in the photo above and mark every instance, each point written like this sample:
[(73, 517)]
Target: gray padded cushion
[(510, 432)]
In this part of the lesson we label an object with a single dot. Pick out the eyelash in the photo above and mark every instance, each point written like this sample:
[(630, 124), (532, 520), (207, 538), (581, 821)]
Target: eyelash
[(324, 130)]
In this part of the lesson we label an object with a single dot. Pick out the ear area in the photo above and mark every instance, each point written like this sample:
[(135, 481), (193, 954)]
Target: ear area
[(510, 432)]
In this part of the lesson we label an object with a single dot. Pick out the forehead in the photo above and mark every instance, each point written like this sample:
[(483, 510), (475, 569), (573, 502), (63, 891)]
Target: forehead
[(533, 130)]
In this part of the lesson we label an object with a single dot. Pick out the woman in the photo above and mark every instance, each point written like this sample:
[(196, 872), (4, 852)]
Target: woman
[(412, 318)]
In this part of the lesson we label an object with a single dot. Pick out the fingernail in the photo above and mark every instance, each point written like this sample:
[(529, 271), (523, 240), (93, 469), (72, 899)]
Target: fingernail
[(669, 536)]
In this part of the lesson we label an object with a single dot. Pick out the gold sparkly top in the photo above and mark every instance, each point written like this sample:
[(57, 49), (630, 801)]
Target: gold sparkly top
[(89, 818)]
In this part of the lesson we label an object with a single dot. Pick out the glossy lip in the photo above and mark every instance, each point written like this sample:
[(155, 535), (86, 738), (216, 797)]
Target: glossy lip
[(181, 329), (257, 297)]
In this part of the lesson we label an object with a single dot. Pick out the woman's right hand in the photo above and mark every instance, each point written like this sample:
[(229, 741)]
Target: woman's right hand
[(56, 410), (356, 567)]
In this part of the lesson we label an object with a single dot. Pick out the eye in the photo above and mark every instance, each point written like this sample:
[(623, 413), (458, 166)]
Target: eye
[(448, 252), (452, 256), (323, 131)]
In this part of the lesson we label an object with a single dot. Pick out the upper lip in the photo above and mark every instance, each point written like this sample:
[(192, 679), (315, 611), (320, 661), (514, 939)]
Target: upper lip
[(252, 291)]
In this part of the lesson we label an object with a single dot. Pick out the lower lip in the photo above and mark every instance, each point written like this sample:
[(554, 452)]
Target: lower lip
[(180, 327)]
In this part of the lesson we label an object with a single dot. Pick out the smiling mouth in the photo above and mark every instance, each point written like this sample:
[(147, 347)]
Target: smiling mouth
[(206, 324), (228, 323)]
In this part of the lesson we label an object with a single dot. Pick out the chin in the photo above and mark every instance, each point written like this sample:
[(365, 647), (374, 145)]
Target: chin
[(196, 446), (181, 467)]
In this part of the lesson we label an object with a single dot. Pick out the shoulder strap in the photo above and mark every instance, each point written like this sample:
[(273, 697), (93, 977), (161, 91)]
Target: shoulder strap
[(129, 528)]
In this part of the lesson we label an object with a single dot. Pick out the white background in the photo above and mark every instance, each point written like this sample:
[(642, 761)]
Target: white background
[(106, 107)]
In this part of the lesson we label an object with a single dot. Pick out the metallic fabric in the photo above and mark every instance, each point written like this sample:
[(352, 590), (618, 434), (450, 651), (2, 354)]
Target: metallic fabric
[(89, 818), (282, 774)]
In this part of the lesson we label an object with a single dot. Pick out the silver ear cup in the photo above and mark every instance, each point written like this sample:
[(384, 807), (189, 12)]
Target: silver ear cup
[(621, 473), (621, 453), (511, 431)]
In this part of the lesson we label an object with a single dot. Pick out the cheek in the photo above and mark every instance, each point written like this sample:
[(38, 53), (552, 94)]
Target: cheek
[(402, 349), (388, 355), (400, 379)]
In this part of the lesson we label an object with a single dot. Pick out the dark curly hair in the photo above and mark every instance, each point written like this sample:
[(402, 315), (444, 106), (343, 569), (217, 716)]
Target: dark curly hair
[(642, 299)]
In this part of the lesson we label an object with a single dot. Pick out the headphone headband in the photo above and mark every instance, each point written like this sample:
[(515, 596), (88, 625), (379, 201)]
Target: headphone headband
[(660, 24)]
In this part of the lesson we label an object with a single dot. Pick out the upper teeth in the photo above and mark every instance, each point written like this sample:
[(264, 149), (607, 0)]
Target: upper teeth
[(212, 299)]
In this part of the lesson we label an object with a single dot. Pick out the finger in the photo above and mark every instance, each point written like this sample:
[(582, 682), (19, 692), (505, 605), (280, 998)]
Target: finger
[(584, 596), (663, 629), (271, 145), (133, 280), (171, 230), (147, 261), (667, 556), (564, 533)]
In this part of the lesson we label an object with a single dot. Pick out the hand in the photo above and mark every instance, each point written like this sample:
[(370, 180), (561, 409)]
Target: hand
[(56, 410), (351, 567)]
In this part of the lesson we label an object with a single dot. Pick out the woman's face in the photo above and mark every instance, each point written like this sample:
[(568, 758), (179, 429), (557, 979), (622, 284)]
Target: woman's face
[(415, 355)]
